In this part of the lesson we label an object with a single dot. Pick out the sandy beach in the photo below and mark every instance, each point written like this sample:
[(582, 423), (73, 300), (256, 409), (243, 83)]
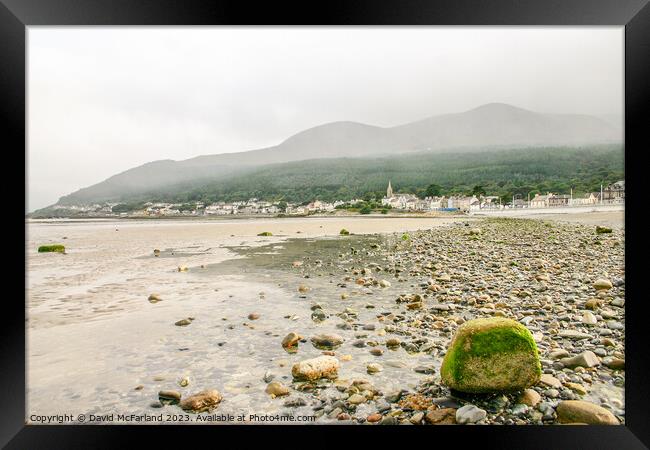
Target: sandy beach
[(88, 311), (96, 345), (108, 259)]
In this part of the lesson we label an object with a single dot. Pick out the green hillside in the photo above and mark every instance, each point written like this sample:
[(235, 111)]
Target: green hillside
[(503, 173), (499, 172)]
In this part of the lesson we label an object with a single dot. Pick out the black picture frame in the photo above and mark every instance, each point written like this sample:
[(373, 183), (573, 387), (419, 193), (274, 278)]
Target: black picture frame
[(16, 15)]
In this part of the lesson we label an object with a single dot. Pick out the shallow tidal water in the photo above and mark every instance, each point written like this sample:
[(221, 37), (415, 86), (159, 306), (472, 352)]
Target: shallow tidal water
[(89, 349)]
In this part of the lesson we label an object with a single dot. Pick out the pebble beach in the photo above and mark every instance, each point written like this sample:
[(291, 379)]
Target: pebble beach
[(307, 321)]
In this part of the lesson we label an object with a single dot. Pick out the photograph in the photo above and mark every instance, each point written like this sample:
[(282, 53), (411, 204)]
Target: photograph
[(328, 225)]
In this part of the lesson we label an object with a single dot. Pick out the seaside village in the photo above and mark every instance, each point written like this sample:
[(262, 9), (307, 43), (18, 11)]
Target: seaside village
[(611, 194)]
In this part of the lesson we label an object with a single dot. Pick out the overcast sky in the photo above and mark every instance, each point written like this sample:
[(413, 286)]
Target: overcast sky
[(103, 100)]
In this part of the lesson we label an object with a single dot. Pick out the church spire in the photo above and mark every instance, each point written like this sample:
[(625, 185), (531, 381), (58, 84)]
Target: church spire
[(389, 191)]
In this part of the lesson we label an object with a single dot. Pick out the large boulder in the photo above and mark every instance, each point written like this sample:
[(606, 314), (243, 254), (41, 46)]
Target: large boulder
[(491, 355)]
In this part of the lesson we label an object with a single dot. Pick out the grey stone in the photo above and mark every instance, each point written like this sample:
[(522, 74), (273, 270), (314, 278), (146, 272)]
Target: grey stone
[(584, 359), (470, 414)]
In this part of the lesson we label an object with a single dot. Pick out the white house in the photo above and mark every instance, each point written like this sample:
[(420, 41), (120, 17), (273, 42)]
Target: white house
[(587, 199), (540, 201), (462, 203), (436, 202)]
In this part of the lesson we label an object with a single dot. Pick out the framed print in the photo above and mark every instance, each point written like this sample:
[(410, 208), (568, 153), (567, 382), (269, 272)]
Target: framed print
[(378, 218)]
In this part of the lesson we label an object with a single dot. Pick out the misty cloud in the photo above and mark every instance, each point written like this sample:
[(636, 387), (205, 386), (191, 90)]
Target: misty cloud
[(103, 100)]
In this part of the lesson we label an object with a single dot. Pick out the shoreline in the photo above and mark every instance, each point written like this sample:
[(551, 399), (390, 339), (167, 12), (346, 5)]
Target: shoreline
[(210, 218), (523, 212)]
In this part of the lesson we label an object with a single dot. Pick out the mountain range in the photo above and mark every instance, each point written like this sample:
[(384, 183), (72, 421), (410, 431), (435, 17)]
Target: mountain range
[(486, 128)]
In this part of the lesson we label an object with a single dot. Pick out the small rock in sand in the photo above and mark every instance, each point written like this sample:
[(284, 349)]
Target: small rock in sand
[(470, 414), (384, 284), (602, 284), (550, 380), (393, 343), (291, 340), (614, 363), (315, 368), (584, 359), (530, 397), (169, 397), (579, 411), (443, 416), (276, 389), (357, 399), (202, 401), (588, 318), (326, 341), (372, 418)]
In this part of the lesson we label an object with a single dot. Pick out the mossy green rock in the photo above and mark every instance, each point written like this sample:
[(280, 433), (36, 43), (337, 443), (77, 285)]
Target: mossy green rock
[(265, 233), (491, 355), (51, 248)]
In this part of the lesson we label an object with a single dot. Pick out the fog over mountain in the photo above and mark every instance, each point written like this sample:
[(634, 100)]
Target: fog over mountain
[(104, 100), (494, 125)]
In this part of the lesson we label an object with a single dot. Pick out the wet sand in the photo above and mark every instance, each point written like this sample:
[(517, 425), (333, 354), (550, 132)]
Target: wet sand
[(102, 263), (92, 336)]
